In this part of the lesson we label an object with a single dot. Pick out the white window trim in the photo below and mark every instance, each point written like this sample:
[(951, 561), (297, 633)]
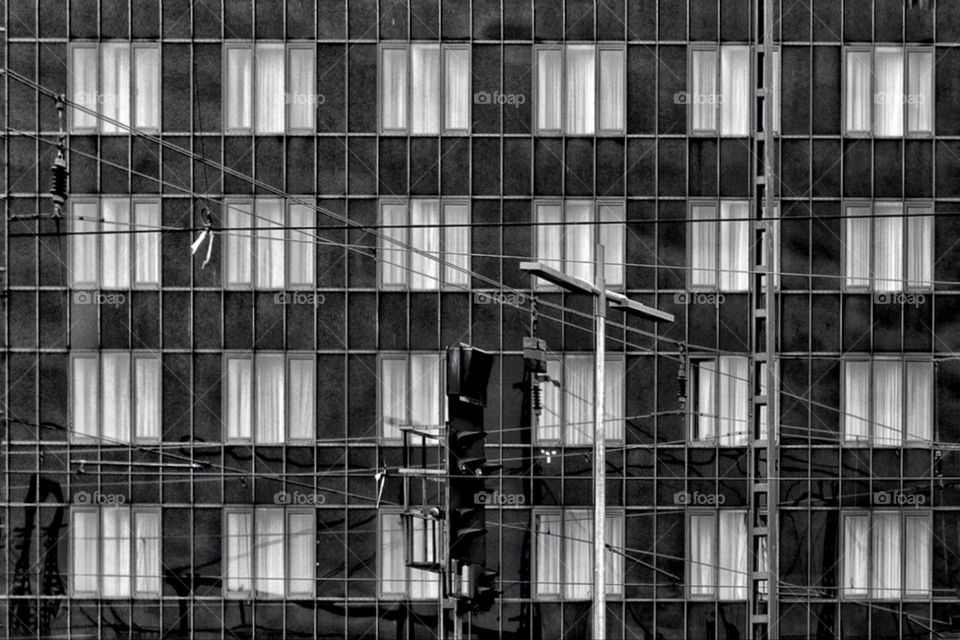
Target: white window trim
[(843, 593), (405, 356)]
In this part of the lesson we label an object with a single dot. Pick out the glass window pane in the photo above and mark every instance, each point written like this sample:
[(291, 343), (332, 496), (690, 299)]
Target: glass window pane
[(887, 402), (456, 89), (888, 246), (425, 237), (613, 77), (301, 554), (425, 390), (703, 245), (705, 419), (581, 89), (392, 556), (702, 567), (85, 547), (115, 86), (147, 243), (918, 556), (856, 551), (920, 92), (147, 541), (579, 240), (920, 248), (270, 398), (270, 88), (270, 570), (888, 98), (578, 554), (549, 239), (425, 88), (734, 405), (886, 556), (735, 89), (239, 561), (857, 245), (456, 244), (548, 425), (393, 89), (85, 396), (147, 397), (733, 545), (115, 526), (239, 407), (116, 246), (703, 97), (83, 86), (115, 397), (859, 71), (84, 254), (919, 401), (238, 245), (612, 235), (301, 243), (856, 401), (239, 88), (548, 544), (270, 243), (734, 246), (302, 96), (615, 383), (301, 413), (147, 87), (393, 396), (549, 87), (578, 399), (393, 256)]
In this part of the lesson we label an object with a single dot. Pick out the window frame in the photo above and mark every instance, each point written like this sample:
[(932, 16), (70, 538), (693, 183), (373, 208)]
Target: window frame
[(717, 132), (693, 367), (715, 586), (903, 514), (406, 357), (752, 254), (405, 596)]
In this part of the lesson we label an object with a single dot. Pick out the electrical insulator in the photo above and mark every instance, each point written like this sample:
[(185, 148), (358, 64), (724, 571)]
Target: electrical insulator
[(58, 182), (537, 398), (682, 378)]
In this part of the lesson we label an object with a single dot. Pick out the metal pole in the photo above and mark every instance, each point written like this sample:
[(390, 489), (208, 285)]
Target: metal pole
[(599, 452)]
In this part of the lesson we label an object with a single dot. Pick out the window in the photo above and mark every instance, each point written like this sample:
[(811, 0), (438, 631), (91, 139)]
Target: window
[(269, 552), (411, 394), (117, 80), (438, 232), (100, 257), (717, 556), (269, 88), (887, 555), (719, 245), (721, 395), (893, 398), (422, 84), (269, 397), (115, 396), (885, 250), (568, 231), (568, 411), (269, 257), (888, 91), (397, 580), (581, 89), (563, 553), (725, 110), (115, 552)]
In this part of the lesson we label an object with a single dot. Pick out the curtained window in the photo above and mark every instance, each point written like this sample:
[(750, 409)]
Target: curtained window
[(118, 81), (581, 89), (410, 394), (269, 397), (396, 579), (567, 416), (103, 254), (567, 232), (887, 555), (717, 554), (115, 396), (269, 552), (259, 252), (437, 233), (115, 552), (563, 551), (720, 90), (719, 245), (425, 88), (888, 402), (887, 250), (888, 91), (269, 88), (721, 395)]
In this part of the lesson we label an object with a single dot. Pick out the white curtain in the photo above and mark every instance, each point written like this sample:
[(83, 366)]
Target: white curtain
[(857, 247), (917, 553), (549, 89), (456, 244), (302, 545), (578, 399), (239, 88), (734, 246), (856, 553), (393, 89), (888, 247), (301, 412), (706, 416), (238, 244), (300, 247), (549, 239), (578, 239), (734, 400), (425, 236), (456, 89), (614, 387), (84, 255), (887, 402), (888, 96), (147, 397), (856, 401), (549, 557), (581, 88), (270, 244), (393, 257), (301, 92), (613, 534), (919, 92), (887, 555), (857, 87), (115, 85), (270, 88), (115, 397), (613, 81), (735, 89), (612, 230), (393, 396), (270, 397), (84, 401), (578, 554), (115, 527), (425, 88), (239, 560), (919, 401), (146, 61), (701, 572), (239, 407), (425, 390), (146, 217), (703, 245), (392, 556), (85, 546), (548, 426), (83, 86), (732, 574), (147, 549), (116, 246), (269, 569), (703, 69), (919, 247)]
